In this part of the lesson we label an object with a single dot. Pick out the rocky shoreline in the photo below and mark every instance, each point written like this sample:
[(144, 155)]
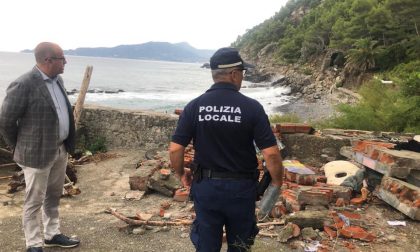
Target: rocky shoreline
[(308, 111), (315, 90)]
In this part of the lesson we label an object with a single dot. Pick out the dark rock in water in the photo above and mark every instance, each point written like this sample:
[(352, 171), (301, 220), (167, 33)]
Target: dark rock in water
[(257, 85), (283, 81), (206, 65), (256, 77), (72, 92), (95, 90), (108, 91)]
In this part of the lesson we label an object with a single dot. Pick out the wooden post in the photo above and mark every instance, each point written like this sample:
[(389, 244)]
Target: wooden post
[(82, 94)]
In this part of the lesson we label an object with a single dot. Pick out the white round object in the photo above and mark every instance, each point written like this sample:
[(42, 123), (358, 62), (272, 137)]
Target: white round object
[(337, 171)]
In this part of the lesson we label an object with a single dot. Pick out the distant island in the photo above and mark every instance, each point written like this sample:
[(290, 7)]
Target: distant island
[(180, 52)]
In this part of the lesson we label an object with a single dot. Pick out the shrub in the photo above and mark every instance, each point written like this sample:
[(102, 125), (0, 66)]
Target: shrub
[(381, 109), (97, 145), (276, 118)]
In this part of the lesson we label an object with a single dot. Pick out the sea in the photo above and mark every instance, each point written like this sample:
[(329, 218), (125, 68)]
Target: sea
[(137, 84)]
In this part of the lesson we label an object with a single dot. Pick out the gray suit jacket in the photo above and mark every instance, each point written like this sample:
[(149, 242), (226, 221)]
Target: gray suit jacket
[(29, 121)]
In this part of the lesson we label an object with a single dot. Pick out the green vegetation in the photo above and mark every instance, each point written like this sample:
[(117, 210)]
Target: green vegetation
[(367, 31), (276, 118), (376, 36), (97, 145), (384, 106)]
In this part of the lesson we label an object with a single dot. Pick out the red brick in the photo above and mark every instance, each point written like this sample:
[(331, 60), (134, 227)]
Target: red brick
[(294, 128), (356, 233), (181, 195), (340, 202), (330, 232)]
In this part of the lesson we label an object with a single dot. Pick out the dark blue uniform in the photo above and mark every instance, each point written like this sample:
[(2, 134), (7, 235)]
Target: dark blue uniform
[(223, 124)]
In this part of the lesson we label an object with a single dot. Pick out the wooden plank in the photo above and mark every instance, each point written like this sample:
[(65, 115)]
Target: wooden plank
[(82, 94)]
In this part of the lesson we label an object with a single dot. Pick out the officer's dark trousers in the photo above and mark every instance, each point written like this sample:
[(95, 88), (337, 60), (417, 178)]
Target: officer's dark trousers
[(224, 202)]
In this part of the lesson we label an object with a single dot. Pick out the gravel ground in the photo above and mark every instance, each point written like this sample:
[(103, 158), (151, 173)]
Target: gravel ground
[(308, 111), (105, 184)]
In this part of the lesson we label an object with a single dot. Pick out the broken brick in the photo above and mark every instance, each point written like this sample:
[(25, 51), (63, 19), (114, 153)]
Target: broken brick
[(181, 194), (294, 128), (401, 195), (340, 202), (330, 232), (356, 233)]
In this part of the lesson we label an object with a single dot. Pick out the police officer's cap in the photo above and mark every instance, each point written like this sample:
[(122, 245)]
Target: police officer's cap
[(228, 57)]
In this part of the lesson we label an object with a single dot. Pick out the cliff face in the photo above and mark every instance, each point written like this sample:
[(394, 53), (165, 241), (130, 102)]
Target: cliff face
[(320, 80)]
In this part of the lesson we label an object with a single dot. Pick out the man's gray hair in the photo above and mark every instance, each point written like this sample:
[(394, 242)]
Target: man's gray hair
[(44, 50), (217, 73)]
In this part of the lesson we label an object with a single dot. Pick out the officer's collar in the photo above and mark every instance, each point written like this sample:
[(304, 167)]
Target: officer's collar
[(223, 85)]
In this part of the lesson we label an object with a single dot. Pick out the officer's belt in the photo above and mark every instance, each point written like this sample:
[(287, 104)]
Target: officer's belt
[(207, 173)]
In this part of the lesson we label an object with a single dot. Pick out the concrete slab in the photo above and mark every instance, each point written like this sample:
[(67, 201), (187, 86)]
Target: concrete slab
[(401, 195)]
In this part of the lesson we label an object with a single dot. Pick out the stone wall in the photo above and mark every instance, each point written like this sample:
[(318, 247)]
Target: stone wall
[(312, 149), (127, 128), (140, 129), (132, 129)]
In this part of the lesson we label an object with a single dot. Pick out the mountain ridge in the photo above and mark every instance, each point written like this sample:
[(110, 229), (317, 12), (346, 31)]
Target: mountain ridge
[(164, 51)]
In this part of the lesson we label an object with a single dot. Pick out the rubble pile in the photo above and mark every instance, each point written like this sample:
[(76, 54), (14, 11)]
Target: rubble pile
[(320, 207)]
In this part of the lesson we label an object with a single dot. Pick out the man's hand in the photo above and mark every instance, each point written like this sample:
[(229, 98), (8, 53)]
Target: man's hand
[(186, 178)]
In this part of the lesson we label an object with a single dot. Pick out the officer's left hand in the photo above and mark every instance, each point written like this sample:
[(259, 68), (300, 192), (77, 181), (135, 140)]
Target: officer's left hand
[(186, 178)]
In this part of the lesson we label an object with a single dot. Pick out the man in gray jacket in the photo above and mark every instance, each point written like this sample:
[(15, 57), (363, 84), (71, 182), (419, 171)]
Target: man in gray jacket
[(36, 121)]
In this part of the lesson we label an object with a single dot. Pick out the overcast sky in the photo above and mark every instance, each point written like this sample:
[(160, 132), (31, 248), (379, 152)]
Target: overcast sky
[(209, 24)]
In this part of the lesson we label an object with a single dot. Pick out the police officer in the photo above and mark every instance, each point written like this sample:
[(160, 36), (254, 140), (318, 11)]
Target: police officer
[(223, 124)]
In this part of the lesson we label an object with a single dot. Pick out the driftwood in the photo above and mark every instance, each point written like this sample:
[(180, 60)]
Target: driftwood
[(136, 222), (270, 223), (267, 234), (6, 177), (81, 98)]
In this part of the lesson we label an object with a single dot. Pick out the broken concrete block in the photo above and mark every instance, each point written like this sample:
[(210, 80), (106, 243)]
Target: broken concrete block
[(401, 195), (166, 187), (134, 195), (314, 219), (138, 183), (309, 234), (138, 179), (337, 171), (287, 232), (394, 163)]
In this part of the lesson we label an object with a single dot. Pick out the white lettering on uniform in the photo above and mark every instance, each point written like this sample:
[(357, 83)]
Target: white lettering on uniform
[(219, 114)]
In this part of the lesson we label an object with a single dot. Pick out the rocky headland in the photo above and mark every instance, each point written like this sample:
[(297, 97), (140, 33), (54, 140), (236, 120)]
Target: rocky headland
[(316, 87)]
